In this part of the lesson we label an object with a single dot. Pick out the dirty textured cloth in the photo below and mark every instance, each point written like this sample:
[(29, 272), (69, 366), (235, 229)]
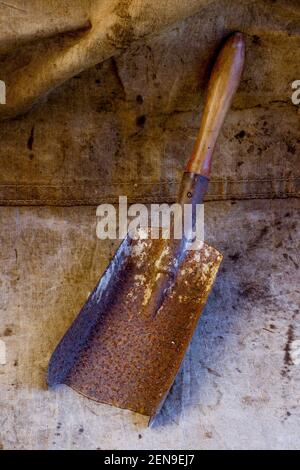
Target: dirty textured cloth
[(118, 90), (239, 385), (104, 98)]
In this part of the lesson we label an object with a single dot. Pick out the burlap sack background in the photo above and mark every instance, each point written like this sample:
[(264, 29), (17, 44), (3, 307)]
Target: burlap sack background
[(117, 88)]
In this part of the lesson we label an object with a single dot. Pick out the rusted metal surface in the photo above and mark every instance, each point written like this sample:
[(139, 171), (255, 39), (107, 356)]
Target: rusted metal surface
[(114, 352)]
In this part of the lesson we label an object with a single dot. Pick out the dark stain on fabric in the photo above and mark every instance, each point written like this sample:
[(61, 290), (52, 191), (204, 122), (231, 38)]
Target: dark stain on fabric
[(294, 225), (278, 224), (115, 70), (288, 257), (30, 139), (263, 232), (294, 262), (295, 314), (8, 332), (234, 257), (256, 40), (213, 372), (270, 331), (240, 135), (291, 148), (105, 106), (140, 120), (253, 291), (287, 348)]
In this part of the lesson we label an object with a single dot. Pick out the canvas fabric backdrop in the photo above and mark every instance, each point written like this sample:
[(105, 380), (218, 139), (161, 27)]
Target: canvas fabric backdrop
[(239, 383), (104, 98)]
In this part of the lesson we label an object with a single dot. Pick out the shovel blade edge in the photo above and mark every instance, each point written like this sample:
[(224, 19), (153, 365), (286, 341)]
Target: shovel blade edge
[(114, 354)]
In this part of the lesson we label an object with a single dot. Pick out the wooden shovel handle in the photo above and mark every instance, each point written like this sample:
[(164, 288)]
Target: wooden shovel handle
[(222, 86)]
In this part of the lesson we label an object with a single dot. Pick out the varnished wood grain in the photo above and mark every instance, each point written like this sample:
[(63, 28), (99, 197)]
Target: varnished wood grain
[(222, 86)]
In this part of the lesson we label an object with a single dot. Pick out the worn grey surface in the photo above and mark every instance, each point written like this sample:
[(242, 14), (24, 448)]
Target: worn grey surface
[(240, 382)]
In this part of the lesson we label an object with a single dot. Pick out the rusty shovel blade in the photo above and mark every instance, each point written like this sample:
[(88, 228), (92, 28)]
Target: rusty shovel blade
[(116, 353)]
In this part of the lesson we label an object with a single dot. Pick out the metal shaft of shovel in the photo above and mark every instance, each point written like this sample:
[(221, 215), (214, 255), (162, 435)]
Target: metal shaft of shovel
[(127, 343), (223, 83)]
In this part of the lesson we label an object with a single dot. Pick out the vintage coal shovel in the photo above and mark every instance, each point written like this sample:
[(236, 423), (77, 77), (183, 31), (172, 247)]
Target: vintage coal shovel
[(128, 342)]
